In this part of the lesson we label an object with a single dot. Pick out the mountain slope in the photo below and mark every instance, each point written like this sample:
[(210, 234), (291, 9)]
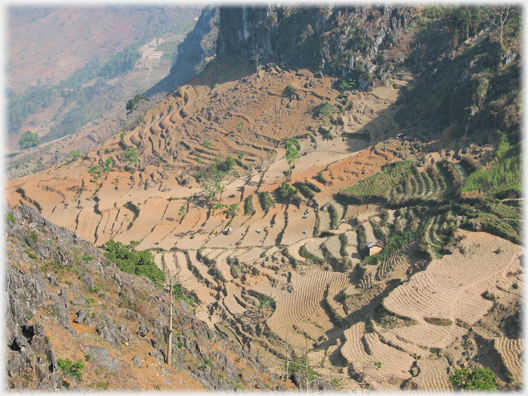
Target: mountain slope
[(260, 189), (67, 301)]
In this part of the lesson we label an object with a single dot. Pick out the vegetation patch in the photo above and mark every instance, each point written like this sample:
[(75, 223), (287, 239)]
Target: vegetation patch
[(344, 243), (266, 201), (439, 321), (376, 187), (139, 263), (303, 252), (477, 379), (500, 177), (67, 367), (181, 293), (248, 206)]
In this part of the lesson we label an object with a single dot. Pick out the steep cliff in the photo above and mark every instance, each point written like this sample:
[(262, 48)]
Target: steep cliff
[(347, 42)]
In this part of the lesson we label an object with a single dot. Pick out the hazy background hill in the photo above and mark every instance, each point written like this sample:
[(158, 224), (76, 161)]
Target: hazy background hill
[(69, 66)]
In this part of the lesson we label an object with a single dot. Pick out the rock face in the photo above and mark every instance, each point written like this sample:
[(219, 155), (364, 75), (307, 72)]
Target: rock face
[(347, 42), (60, 306)]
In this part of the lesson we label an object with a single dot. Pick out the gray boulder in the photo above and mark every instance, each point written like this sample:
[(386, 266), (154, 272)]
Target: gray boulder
[(87, 279), (102, 358), (81, 315), (137, 361)]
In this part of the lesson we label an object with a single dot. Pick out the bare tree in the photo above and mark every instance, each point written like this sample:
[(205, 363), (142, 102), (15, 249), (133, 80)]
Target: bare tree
[(498, 16), (256, 58), (173, 276)]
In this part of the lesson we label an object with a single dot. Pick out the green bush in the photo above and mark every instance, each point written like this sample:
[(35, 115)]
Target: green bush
[(478, 379), (33, 236), (28, 139), (140, 263), (324, 110), (181, 293), (265, 200), (248, 206), (285, 191), (289, 90), (66, 366), (344, 242), (131, 155), (10, 217), (235, 272)]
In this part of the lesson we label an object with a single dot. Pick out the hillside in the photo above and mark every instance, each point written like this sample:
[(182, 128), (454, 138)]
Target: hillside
[(260, 183), (90, 113), (69, 69), (68, 302)]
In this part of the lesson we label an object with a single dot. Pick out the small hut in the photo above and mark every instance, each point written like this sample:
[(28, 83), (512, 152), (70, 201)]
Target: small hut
[(375, 247)]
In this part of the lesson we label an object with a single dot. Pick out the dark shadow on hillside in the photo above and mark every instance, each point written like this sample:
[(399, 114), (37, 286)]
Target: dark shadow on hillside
[(361, 315), (194, 53)]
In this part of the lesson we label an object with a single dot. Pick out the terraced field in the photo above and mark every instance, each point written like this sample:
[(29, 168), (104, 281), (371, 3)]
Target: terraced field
[(297, 271)]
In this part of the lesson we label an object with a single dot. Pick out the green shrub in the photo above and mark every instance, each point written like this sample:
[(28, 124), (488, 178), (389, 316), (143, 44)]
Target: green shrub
[(248, 206), (324, 110), (235, 272), (362, 241), (285, 191), (334, 221), (10, 217), (33, 236), (181, 293), (140, 263), (478, 379), (66, 366), (289, 90), (131, 155), (265, 200), (344, 242)]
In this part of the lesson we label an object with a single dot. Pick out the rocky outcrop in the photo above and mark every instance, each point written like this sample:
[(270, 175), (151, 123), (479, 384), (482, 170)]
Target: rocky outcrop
[(61, 306), (347, 42)]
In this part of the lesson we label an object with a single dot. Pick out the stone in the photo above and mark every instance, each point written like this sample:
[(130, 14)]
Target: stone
[(143, 330), (79, 301), (102, 358), (137, 361), (156, 354), (87, 279), (81, 315)]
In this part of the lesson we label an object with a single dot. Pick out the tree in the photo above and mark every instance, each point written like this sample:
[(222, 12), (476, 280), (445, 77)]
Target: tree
[(256, 58), (131, 155), (96, 172), (292, 153), (499, 16), (28, 139), (74, 155), (285, 191)]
